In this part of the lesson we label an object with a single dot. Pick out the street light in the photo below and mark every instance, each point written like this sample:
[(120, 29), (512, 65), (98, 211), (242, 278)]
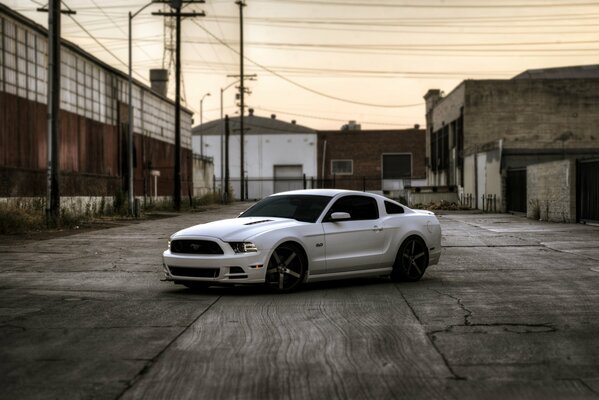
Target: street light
[(130, 135), (202, 124)]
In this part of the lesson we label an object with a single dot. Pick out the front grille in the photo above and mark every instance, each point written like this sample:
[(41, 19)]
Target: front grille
[(195, 272), (190, 246)]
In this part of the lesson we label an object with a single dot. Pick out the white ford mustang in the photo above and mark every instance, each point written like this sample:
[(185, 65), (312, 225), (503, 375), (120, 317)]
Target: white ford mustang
[(306, 236)]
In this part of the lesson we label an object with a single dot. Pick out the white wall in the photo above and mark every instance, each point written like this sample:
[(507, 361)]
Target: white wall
[(262, 153)]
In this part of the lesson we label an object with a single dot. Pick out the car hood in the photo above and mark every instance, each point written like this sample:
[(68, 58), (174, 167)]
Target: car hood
[(238, 229)]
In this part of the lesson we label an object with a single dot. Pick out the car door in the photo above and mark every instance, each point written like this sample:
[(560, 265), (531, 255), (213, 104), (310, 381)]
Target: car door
[(354, 243)]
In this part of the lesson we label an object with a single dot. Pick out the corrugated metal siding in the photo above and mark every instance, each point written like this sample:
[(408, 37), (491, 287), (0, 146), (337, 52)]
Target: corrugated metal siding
[(91, 154), (93, 121), (88, 88), (152, 154)]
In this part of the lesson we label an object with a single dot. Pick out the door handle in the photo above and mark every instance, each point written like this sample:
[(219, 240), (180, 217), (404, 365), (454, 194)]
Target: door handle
[(377, 229)]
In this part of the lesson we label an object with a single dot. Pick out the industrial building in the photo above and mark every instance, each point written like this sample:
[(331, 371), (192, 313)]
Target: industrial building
[(383, 161), (278, 155), (483, 138), (93, 122)]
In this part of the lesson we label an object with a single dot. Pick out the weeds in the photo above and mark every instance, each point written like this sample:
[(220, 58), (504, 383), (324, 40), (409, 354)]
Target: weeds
[(21, 215)]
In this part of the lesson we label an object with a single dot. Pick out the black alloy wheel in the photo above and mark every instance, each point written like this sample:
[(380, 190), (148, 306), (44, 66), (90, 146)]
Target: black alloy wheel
[(411, 260), (286, 268)]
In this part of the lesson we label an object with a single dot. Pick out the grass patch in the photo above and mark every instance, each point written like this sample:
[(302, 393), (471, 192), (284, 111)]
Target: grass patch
[(19, 216)]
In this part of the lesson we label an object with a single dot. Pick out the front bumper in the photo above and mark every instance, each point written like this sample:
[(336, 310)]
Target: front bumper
[(227, 268)]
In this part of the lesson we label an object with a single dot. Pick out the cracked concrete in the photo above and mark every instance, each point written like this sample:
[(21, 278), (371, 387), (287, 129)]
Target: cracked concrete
[(511, 311)]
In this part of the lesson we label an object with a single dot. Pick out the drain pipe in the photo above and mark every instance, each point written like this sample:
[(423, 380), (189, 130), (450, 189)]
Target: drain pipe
[(324, 154)]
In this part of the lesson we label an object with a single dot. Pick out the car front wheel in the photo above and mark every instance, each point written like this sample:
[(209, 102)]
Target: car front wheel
[(411, 260), (286, 268)]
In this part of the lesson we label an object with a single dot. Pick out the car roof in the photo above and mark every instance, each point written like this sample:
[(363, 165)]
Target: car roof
[(320, 192)]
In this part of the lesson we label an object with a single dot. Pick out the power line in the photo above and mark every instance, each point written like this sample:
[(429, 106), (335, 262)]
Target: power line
[(303, 86), (328, 118), (435, 6)]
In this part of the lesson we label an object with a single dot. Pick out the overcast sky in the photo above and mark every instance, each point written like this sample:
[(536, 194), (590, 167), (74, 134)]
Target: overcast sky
[(324, 63)]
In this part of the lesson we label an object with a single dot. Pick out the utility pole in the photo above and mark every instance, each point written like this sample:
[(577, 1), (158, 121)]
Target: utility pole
[(226, 199), (53, 177), (241, 4), (251, 77), (176, 5)]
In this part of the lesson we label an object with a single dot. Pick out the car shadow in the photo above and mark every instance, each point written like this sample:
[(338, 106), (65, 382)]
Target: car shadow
[(261, 290)]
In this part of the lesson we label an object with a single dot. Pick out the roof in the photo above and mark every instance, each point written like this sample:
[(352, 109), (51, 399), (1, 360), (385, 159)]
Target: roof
[(573, 72), (253, 124)]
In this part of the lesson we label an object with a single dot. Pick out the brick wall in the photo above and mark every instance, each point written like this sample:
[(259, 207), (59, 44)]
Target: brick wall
[(532, 114), (551, 191), (366, 148)]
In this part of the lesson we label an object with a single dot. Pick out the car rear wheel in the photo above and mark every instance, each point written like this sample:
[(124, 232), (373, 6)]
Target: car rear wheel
[(286, 268), (411, 260)]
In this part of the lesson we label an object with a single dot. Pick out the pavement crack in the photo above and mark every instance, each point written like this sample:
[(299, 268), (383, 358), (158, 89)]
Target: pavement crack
[(467, 312), (144, 370), (587, 386), (432, 340)]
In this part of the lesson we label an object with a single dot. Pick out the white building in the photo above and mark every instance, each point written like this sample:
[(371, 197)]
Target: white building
[(278, 156)]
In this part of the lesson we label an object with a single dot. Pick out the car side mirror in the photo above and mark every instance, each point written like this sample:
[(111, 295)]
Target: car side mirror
[(340, 216)]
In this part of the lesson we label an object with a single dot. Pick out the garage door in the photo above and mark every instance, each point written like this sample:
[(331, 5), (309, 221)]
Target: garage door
[(288, 177)]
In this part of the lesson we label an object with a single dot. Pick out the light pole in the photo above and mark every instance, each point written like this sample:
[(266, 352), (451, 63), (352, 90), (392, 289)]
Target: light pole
[(130, 135), (202, 124)]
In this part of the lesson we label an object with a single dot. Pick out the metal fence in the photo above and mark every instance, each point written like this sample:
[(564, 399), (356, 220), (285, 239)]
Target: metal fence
[(257, 188)]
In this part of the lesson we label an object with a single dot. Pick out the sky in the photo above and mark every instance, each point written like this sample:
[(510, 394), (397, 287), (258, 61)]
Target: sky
[(324, 63)]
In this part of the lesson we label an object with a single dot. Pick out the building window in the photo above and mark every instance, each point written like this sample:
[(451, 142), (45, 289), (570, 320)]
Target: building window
[(440, 149), (342, 167), (397, 166)]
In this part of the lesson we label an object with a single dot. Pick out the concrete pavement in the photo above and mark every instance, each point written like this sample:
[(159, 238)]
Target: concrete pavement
[(511, 311)]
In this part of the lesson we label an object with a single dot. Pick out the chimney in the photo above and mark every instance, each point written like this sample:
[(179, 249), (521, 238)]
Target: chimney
[(351, 126), (416, 126), (159, 81), (273, 116), (251, 112), (432, 97), (293, 121)]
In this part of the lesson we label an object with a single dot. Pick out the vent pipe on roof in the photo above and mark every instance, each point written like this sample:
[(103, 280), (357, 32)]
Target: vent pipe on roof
[(251, 112), (159, 81)]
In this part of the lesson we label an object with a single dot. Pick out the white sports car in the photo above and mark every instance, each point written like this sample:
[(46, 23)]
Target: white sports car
[(305, 236)]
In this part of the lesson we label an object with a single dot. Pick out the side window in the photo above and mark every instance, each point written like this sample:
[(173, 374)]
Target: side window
[(359, 207), (393, 208)]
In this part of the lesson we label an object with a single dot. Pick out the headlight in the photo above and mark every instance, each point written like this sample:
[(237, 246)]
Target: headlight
[(243, 247)]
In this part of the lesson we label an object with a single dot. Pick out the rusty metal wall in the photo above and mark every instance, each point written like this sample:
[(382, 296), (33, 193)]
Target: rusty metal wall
[(89, 87), (91, 154)]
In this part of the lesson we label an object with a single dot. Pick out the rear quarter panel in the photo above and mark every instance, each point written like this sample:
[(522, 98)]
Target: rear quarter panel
[(399, 227)]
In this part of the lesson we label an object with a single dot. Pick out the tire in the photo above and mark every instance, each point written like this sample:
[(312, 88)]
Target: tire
[(411, 260), (286, 268)]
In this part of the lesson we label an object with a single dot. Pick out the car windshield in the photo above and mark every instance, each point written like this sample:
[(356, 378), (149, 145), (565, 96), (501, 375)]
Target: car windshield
[(305, 208)]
